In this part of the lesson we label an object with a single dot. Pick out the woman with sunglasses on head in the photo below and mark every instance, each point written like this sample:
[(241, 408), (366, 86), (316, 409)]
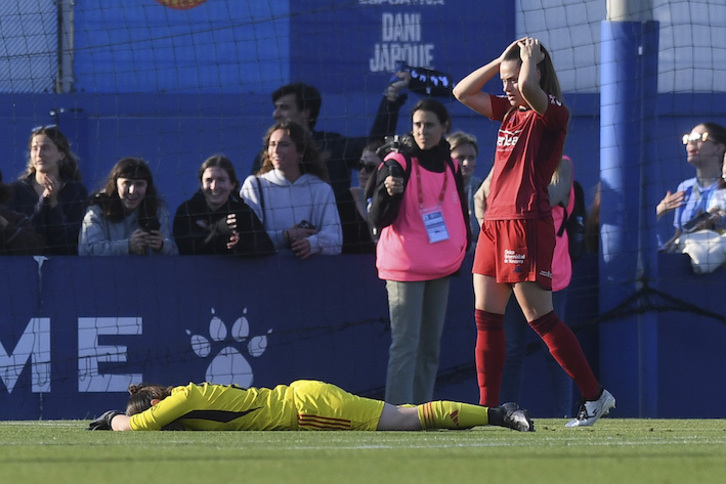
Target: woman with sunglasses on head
[(50, 191), (516, 244), (705, 147)]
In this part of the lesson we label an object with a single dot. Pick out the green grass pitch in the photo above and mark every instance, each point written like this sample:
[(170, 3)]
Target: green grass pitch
[(613, 451)]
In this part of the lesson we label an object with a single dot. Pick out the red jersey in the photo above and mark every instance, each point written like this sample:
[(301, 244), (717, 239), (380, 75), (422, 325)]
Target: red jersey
[(529, 149)]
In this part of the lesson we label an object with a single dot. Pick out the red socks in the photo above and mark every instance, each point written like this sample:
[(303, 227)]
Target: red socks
[(489, 353), (566, 349)]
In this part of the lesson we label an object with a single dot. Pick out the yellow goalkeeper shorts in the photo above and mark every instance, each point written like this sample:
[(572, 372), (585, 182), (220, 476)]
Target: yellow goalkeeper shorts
[(322, 406)]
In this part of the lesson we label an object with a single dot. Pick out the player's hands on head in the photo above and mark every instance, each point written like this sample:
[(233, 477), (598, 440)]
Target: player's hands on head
[(530, 48), (511, 46), (104, 421)]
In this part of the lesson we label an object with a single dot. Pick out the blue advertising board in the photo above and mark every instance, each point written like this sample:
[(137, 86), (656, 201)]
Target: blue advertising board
[(356, 46), (75, 332), (78, 331)]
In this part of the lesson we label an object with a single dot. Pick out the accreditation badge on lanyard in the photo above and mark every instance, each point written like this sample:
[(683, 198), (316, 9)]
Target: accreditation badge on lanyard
[(433, 218)]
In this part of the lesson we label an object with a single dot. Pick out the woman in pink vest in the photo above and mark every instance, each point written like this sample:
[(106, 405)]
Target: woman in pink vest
[(419, 203)]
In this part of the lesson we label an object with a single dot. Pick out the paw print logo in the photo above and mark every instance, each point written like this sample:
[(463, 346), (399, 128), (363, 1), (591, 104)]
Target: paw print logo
[(229, 364)]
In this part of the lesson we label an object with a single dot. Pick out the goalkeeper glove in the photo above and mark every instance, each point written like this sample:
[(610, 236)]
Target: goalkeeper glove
[(104, 421)]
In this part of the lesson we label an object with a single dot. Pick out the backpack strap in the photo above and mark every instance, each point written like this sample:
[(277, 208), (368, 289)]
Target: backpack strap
[(407, 169), (565, 218), (262, 197), (567, 215)]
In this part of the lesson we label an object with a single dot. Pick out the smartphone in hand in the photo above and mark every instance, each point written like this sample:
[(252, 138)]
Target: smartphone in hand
[(696, 221)]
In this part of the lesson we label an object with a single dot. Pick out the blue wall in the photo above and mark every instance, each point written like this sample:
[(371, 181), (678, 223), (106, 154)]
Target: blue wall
[(164, 85), (74, 332)]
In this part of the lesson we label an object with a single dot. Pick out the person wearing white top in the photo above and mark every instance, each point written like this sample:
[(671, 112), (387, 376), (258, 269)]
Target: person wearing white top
[(291, 198), (705, 148)]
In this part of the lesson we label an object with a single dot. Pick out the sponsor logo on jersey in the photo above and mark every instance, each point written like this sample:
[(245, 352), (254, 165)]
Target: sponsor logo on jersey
[(507, 138)]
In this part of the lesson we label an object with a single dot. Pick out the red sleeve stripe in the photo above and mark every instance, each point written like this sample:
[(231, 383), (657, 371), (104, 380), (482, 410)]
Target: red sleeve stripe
[(322, 423), (426, 415)]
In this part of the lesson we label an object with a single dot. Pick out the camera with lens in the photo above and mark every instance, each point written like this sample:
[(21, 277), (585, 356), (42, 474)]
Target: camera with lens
[(427, 82), (394, 168)]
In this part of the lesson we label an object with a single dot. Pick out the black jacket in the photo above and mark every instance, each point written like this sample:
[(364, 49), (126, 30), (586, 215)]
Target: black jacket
[(342, 153), (58, 225), (17, 234), (198, 230)]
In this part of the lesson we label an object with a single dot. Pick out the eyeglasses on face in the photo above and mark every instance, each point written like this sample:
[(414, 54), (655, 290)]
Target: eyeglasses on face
[(366, 167), (695, 137)]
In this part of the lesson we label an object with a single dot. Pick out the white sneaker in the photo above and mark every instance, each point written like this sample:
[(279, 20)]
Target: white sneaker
[(592, 410)]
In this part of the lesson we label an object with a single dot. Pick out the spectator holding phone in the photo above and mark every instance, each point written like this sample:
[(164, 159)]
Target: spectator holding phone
[(290, 196), (127, 216), (705, 147)]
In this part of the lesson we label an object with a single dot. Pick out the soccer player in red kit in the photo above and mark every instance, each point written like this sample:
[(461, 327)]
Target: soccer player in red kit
[(516, 244)]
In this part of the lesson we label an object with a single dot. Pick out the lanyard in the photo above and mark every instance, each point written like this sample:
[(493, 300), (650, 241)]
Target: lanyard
[(418, 184)]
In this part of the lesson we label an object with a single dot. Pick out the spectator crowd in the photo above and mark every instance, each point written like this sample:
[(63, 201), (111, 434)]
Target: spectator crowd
[(417, 205)]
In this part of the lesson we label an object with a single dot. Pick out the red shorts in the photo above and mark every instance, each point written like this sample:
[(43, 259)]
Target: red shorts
[(516, 251)]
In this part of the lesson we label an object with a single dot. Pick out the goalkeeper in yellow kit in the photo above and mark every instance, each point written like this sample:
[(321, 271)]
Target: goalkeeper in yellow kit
[(302, 405)]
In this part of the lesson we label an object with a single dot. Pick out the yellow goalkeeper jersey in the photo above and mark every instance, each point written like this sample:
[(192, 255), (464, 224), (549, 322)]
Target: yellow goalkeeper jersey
[(303, 405)]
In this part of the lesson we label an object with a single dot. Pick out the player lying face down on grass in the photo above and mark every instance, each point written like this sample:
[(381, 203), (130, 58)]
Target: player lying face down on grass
[(302, 405)]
